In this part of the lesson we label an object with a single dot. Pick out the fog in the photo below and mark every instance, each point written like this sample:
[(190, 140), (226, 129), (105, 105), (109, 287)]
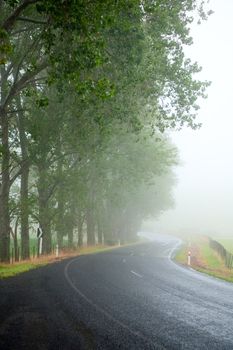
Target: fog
[(204, 194)]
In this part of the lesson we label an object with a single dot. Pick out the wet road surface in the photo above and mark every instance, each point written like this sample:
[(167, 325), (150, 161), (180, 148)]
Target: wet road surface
[(133, 297)]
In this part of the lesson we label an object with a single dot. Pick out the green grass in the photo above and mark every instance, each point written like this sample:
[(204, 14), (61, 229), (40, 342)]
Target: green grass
[(201, 253), (33, 244), (205, 259), (181, 255), (218, 274), (212, 260), (12, 270), (227, 243)]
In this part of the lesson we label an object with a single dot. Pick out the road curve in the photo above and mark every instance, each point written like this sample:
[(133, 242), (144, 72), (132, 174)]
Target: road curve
[(133, 297)]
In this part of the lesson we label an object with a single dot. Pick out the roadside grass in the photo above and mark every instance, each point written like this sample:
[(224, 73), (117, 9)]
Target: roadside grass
[(209, 256), (227, 243), (12, 270), (33, 245), (203, 258), (9, 270), (181, 255)]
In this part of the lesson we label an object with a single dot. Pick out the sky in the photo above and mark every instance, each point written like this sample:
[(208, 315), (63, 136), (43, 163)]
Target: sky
[(204, 194)]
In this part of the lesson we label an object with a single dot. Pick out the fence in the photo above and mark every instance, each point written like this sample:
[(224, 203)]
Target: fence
[(225, 255)]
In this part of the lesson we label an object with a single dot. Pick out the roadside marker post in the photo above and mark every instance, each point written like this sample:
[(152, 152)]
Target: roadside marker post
[(40, 240), (40, 245), (189, 258), (33, 252), (57, 251)]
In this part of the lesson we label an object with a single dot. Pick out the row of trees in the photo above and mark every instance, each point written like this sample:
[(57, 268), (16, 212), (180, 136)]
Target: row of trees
[(87, 89)]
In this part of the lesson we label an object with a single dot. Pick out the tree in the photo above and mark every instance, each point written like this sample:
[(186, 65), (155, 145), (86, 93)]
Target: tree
[(73, 75)]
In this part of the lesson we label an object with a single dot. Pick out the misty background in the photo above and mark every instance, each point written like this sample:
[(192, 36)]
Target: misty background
[(204, 193)]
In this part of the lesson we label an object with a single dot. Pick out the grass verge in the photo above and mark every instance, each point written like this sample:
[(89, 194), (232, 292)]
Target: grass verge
[(9, 270), (203, 258), (226, 242)]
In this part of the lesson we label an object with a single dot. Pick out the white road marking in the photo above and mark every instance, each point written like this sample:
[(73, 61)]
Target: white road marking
[(97, 307), (123, 260), (174, 249), (136, 274)]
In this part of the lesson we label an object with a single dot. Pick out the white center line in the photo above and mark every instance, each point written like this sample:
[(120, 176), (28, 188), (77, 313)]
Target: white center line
[(136, 274)]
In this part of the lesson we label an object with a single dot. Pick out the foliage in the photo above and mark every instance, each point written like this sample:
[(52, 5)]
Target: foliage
[(88, 90)]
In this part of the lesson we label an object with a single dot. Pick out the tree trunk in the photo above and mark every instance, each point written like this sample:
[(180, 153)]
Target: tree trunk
[(59, 239), (60, 220), (90, 227), (80, 230), (24, 209), (100, 232), (44, 211), (5, 189), (45, 224), (15, 239), (47, 236), (25, 250), (70, 237), (60, 225)]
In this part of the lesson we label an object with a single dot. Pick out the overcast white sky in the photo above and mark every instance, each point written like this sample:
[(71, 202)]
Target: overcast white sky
[(204, 195)]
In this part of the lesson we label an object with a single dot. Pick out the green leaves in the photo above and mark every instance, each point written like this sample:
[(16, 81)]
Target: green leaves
[(104, 88), (42, 102), (5, 46), (114, 76), (13, 3)]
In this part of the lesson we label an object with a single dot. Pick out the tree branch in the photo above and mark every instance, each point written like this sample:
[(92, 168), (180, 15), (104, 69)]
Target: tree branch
[(17, 111), (31, 20), (22, 82), (9, 22), (12, 180)]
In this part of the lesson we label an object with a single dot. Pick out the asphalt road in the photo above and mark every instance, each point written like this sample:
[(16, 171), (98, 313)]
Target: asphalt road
[(128, 298)]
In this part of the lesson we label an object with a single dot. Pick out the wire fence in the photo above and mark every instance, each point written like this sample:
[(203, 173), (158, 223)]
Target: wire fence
[(225, 255)]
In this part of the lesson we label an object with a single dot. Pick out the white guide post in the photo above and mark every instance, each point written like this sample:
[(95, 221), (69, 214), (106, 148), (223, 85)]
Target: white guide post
[(57, 251), (40, 245), (40, 240), (189, 258)]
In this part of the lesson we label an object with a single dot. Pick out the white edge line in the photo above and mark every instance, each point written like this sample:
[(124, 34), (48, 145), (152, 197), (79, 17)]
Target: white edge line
[(179, 243), (98, 308)]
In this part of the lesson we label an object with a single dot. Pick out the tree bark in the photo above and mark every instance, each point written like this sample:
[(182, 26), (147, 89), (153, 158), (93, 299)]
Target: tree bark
[(25, 246), (5, 189), (80, 230), (24, 209), (61, 227), (70, 237), (99, 232), (60, 222), (90, 227), (44, 211)]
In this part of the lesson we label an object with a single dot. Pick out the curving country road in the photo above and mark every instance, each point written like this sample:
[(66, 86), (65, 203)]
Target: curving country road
[(133, 297)]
